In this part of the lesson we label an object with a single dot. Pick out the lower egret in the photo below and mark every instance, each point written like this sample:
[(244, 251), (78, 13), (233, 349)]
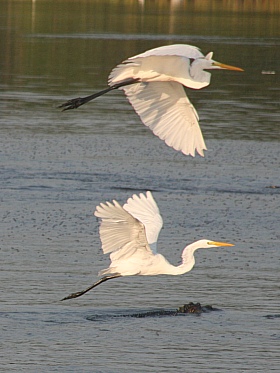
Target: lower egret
[(153, 83), (130, 234)]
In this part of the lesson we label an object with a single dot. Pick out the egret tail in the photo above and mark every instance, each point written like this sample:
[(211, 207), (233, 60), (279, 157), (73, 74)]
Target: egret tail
[(74, 103), (80, 293)]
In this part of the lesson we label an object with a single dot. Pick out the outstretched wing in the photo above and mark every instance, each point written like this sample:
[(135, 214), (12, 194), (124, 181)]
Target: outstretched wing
[(183, 50), (121, 234), (145, 209), (167, 111), (167, 63)]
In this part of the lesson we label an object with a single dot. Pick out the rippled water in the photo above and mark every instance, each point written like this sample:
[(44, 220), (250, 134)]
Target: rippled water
[(50, 247), (56, 167)]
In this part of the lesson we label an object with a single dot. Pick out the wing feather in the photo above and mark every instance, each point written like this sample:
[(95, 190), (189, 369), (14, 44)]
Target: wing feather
[(155, 68), (182, 50), (121, 234), (167, 111), (145, 209), (165, 63)]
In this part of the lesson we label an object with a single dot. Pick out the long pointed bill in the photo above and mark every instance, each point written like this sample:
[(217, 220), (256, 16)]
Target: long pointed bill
[(220, 243), (227, 67)]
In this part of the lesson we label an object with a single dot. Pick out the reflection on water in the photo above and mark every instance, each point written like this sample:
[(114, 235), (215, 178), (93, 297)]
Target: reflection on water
[(53, 51)]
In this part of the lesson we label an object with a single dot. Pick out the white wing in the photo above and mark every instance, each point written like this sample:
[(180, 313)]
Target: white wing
[(166, 110), (184, 50), (156, 69), (145, 209), (121, 234), (167, 63)]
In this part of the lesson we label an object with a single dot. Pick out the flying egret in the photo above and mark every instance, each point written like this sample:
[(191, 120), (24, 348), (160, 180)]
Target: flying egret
[(153, 83), (130, 234)]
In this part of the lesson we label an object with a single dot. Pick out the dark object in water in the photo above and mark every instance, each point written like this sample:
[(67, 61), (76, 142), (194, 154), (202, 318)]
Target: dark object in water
[(272, 317), (191, 307), (195, 308)]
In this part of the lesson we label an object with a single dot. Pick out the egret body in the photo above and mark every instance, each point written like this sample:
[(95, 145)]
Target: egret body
[(153, 83), (130, 233)]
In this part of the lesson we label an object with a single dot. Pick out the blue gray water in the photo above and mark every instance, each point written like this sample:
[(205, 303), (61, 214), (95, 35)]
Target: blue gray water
[(56, 167), (51, 184)]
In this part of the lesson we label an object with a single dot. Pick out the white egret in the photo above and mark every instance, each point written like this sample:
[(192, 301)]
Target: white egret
[(129, 233), (153, 83)]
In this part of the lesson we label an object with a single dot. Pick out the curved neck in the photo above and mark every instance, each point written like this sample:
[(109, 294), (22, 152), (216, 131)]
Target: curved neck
[(198, 74), (188, 260)]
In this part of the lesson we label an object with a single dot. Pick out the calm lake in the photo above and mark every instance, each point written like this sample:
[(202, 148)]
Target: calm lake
[(57, 166)]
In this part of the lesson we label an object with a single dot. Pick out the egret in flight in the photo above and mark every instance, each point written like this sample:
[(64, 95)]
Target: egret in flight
[(153, 83), (129, 233)]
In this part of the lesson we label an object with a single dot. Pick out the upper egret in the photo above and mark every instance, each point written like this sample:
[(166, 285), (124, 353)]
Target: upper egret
[(153, 83), (130, 234)]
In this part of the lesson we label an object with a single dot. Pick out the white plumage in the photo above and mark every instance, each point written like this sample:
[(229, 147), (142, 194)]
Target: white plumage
[(167, 111), (159, 98), (130, 233), (153, 83)]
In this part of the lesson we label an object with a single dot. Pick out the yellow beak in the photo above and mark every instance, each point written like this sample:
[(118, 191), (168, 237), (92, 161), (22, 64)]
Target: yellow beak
[(220, 243), (227, 67)]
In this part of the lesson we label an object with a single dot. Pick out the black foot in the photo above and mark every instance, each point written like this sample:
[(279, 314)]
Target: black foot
[(76, 102), (73, 295), (72, 104)]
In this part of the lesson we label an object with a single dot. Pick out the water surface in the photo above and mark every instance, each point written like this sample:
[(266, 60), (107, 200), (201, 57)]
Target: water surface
[(56, 167)]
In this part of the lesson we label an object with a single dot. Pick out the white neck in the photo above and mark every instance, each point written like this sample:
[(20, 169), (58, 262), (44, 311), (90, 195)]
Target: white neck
[(188, 260), (198, 74), (160, 265)]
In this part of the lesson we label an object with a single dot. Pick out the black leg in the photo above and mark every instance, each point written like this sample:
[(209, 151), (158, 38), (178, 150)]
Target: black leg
[(74, 103), (79, 293), (79, 101)]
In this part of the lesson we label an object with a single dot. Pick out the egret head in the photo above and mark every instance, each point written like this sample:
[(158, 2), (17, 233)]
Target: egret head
[(205, 244), (199, 67), (211, 64)]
